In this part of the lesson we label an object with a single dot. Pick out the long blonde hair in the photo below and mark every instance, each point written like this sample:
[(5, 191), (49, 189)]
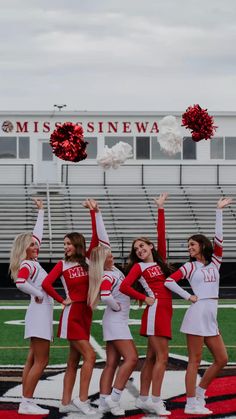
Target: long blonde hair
[(96, 268), (18, 252)]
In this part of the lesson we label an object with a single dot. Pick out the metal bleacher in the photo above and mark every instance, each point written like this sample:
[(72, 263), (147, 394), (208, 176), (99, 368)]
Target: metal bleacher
[(128, 212)]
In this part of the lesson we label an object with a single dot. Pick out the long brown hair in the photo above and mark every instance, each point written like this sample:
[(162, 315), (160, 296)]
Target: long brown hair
[(205, 244), (78, 241), (133, 258)]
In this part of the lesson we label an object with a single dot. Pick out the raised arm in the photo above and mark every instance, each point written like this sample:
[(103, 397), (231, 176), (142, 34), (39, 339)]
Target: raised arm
[(38, 228), (161, 229), (218, 239), (99, 234)]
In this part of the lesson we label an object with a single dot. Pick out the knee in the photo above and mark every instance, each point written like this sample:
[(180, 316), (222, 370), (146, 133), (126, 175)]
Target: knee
[(90, 357), (150, 359), (195, 362), (132, 361), (223, 361)]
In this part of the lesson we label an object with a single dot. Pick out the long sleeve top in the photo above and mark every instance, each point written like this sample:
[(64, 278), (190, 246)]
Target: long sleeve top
[(204, 279), (73, 276), (149, 274)]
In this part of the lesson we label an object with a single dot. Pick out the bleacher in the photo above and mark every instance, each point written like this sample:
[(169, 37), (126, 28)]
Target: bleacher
[(128, 212)]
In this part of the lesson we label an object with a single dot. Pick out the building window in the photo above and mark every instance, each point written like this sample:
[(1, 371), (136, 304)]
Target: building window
[(230, 148), (189, 149), (217, 148), (24, 148), (8, 147), (142, 148), (158, 153), (92, 147), (47, 154)]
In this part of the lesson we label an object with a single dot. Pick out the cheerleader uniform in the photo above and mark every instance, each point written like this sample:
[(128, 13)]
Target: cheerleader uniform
[(116, 316), (39, 316), (156, 319), (201, 317), (76, 318)]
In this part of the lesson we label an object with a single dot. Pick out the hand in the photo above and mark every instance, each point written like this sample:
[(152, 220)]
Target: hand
[(161, 200), (118, 305), (149, 301), (67, 301), (91, 204), (38, 300), (38, 202), (224, 202), (193, 298)]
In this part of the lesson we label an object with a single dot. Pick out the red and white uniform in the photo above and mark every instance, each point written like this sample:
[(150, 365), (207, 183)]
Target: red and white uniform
[(201, 317), (75, 321), (156, 319), (39, 316), (116, 316)]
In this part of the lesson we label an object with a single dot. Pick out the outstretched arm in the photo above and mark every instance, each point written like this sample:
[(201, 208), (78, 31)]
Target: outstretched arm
[(161, 229), (38, 228), (99, 234), (218, 239)]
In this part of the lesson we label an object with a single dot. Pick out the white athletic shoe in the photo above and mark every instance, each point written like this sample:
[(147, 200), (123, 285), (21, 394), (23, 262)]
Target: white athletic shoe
[(84, 407), (103, 408), (201, 401), (29, 408), (67, 408), (197, 409), (114, 407), (144, 405), (159, 408)]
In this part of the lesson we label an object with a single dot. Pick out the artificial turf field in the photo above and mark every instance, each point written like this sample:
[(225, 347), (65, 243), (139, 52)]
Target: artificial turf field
[(13, 351)]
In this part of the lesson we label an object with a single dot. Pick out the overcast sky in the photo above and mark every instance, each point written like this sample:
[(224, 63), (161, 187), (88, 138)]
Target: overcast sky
[(142, 55)]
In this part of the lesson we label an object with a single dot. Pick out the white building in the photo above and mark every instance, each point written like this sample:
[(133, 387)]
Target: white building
[(26, 155)]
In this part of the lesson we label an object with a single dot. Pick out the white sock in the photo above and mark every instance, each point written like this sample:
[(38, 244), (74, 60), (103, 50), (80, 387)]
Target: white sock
[(200, 392), (27, 399), (156, 399), (116, 394), (191, 401), (143, 398), (102, 399)]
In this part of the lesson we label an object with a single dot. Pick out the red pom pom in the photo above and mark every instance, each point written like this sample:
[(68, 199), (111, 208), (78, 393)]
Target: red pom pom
[(68, 143), (199, 122)]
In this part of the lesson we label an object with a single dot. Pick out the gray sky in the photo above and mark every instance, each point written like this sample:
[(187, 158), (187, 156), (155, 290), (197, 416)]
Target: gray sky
[(117, 54)]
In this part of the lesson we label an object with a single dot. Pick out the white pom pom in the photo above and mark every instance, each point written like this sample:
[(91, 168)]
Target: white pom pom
[(169, 136), (114, 156)]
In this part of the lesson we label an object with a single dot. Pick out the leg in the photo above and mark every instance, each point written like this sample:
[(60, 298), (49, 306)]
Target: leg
[(84, 348), (28, 365), (216, 346), (70, 375), (195, 345), (146, 372), (112, 362), (127, 350), (160, 347), (40, 354)]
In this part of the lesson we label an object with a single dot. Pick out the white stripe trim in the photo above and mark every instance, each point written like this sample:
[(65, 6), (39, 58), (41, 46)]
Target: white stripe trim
[(151, 319), (64, 321)]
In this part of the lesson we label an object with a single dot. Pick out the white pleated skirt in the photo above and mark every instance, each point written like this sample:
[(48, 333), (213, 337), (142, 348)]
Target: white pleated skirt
[(201, 318)]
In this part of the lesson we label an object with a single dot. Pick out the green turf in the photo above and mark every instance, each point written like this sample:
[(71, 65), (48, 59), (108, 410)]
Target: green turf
[(13, 348)]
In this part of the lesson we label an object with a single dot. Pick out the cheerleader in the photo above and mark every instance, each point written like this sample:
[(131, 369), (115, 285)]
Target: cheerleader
[(104, 276), (200, 320), (148, 266), (76, 318), (28, 276)]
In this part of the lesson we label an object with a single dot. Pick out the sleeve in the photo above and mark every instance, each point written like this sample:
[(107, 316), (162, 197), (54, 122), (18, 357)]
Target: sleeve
[(99, 234), (106, 295), (171, 284), (218, 239), (50, 279), (161, 234), (38, 228), (128, 281), (23, 285)]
